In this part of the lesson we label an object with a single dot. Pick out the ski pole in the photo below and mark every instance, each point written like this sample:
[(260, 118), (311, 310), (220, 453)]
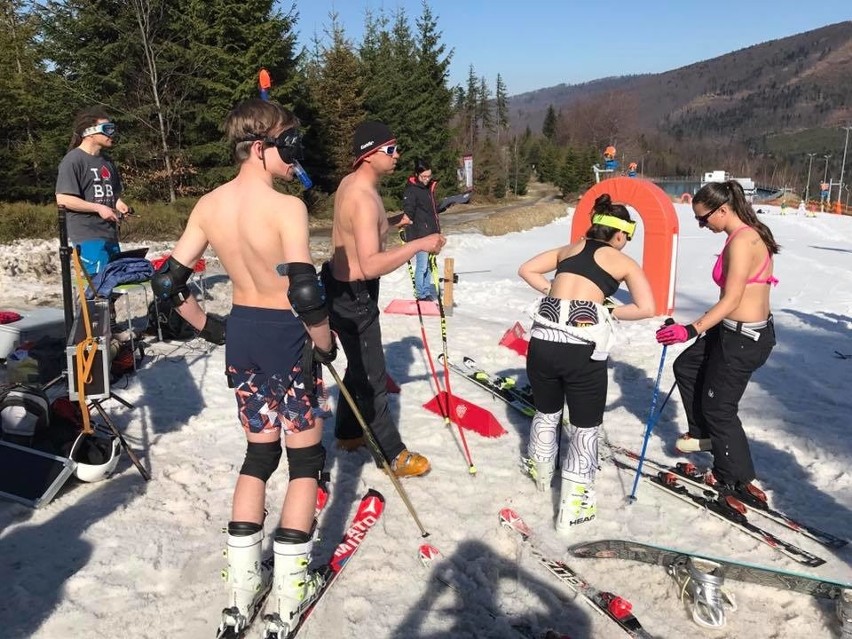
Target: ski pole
[(371, 440), (433, 266), (423, 339), (649, 426)]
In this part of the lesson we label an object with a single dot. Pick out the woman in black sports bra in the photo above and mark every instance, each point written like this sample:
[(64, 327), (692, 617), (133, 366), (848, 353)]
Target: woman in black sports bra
[(570, 340)]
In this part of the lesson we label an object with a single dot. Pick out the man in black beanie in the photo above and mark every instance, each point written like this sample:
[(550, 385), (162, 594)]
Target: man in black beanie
[(351, 280)]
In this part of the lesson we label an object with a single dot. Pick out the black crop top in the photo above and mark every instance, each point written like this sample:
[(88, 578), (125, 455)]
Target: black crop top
[(584, 265)]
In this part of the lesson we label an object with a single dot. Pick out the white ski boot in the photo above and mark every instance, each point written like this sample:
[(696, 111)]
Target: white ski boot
[(247, 577), (293, 588), (540, 471), (703, 581), (577, 505)]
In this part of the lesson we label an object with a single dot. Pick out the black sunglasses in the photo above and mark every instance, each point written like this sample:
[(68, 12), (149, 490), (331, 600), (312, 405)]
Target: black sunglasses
[(702, 219)]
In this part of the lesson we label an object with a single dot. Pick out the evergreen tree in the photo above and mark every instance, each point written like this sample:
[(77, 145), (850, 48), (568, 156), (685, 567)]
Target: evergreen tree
[(548, 129), (470, 126), (227, 43), (335, 91), (483, 107), (501, 107), (30, 146), (431, 120)]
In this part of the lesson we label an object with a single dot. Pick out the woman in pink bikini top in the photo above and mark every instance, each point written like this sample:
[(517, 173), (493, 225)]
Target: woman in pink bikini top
[(743, 270), (737, 336)]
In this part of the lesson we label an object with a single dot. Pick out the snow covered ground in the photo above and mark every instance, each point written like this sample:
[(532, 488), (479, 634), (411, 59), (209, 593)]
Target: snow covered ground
[(126, 558)]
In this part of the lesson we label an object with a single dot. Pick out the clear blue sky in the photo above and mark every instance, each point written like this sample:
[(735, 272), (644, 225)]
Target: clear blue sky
[(535, 44)]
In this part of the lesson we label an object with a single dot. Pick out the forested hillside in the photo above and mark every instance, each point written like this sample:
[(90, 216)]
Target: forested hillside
[(763, 106)]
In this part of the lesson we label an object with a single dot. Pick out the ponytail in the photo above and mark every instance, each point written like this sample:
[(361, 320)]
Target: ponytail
[(604, 206)]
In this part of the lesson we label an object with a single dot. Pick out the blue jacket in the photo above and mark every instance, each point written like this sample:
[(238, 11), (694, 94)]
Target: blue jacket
[(126, 270)]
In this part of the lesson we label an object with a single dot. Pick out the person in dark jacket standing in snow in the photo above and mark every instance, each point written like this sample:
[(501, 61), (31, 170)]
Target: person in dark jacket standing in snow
[(419, 205)]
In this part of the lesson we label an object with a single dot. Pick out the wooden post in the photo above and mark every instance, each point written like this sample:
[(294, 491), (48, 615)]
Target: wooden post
[(449, 264)]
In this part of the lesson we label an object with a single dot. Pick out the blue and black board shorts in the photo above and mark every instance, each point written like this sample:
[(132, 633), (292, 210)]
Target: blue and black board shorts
[(263, 357)]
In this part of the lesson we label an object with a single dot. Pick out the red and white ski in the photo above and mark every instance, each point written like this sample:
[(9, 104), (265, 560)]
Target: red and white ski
[(607, 604), (369, 511)]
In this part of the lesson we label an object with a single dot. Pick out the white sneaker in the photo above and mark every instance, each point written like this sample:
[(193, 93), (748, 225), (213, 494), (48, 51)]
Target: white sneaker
[(576, 506), (688, 444)]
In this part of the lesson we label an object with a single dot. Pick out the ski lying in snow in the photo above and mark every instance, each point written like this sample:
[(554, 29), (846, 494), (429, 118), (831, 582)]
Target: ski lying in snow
[(606, 604), (692, 475), (508, 384), (500, 387), (443, 570), (234, 627), (739, 571), (730, 511), (369, 511)]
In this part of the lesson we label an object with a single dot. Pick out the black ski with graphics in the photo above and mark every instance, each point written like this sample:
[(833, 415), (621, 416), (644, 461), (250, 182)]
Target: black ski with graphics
[(813, 585)]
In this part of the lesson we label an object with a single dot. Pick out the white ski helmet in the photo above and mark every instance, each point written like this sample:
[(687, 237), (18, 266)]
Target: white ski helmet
[(96, 456)]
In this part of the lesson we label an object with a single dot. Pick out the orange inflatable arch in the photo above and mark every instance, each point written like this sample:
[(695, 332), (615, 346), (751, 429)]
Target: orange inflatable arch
[(659, 254)]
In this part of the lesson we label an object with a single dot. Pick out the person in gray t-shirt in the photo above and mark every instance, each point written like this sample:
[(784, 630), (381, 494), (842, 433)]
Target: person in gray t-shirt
[(89, 186)]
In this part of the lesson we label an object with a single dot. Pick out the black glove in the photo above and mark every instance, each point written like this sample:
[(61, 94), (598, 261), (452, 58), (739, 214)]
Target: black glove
[(214, 330), (326, 357)]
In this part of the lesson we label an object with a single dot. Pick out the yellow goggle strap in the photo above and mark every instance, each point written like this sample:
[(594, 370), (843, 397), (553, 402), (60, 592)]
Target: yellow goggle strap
[(616, 223)]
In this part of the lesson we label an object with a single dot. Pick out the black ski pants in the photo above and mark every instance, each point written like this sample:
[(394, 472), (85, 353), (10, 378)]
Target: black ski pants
[(354, 316), (712, 375), (566, 373)]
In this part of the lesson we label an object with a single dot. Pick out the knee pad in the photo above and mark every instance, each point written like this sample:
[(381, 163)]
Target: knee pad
[(306, 463), (261, 460)]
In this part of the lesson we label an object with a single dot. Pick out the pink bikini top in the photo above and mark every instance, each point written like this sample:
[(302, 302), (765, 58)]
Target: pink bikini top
[(719, 274)]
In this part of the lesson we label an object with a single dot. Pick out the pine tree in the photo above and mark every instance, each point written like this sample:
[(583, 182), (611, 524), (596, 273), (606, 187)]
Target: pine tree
[(548, 129), (335, 90), (30, 149), (501, 108)]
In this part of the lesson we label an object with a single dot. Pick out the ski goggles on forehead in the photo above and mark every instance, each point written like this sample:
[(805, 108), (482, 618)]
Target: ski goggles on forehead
[(105, 128), (616, 223)]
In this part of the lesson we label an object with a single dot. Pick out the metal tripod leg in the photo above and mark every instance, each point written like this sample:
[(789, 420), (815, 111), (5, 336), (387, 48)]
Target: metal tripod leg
[(145, 475)]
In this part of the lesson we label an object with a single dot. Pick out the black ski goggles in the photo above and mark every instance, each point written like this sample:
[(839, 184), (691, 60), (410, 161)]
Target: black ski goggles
[(288, 143)]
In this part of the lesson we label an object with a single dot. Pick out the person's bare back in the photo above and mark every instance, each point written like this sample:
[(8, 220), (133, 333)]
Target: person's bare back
[(253, 228)]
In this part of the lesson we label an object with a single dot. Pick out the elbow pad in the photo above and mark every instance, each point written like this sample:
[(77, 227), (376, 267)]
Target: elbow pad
[(306, 293), (169, 282)]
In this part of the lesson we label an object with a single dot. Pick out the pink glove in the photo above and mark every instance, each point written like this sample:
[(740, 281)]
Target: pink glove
[(675, 334)]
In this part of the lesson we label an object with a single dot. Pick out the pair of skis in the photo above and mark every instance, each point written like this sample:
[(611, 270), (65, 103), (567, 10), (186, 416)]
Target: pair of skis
[(503, 388), (369, 512), (690, 474), (731, 511)]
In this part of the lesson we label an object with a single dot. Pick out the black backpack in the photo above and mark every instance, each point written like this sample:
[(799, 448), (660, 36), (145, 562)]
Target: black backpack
[(172, 325)]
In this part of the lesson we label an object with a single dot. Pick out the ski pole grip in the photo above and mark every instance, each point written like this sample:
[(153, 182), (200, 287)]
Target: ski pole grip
[(669, 321)]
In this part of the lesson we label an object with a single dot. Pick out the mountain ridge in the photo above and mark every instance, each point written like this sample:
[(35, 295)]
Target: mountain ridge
[(757, 98)]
